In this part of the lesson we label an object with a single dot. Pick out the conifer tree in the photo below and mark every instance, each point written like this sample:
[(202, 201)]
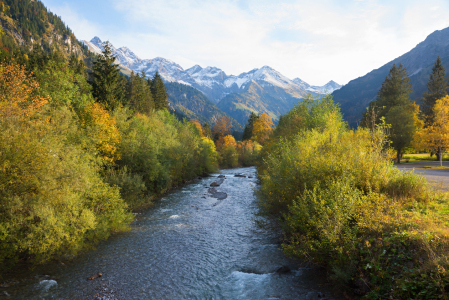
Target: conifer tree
[(393, 103), (139, 94), (395, 91), (160, 95), (207, 131), (248, 131), (106, 81), (437, 86)]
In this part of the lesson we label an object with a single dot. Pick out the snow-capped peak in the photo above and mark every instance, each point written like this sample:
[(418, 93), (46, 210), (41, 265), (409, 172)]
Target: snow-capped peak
[(210, 80), (327, 88), (194, 69), (96, 41)]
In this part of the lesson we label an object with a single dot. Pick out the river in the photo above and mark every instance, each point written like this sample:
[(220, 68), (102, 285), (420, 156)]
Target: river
[(189, 245)]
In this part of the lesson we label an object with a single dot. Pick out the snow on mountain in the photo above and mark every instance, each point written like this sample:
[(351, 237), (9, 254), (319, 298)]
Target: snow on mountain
[(327, 88), (92, 47), (211, 81), (207, 77)]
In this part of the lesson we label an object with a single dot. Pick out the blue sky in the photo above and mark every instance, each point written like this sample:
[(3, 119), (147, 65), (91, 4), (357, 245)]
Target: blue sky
[(316, 41)]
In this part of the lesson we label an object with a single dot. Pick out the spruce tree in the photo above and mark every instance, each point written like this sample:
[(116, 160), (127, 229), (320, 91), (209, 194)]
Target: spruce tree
[(160, 95), (207, 131), (107, 83), (437, 86), (395, 91), (393, 102), (248, 131), (139, 94)]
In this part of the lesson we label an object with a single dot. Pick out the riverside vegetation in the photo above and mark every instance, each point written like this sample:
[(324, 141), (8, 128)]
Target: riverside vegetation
[(380, 232), (80, 150)]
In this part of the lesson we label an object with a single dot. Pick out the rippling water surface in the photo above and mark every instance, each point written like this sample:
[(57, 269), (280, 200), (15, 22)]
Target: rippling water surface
[(189, 245)]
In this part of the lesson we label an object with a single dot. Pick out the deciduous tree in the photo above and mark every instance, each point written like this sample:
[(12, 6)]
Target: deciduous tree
[(262, 128), (435, 135), (222, 127)]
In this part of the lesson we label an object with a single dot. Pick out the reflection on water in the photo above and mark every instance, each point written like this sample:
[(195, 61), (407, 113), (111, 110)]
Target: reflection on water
[(188, 246)]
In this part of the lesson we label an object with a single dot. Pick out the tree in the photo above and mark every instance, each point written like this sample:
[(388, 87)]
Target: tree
[(248, 131), (437, 86), (395, 91), (140, 97), (222, 127), (435, 135), (262, 128), (106, 81), (402, 127), (160, 95), (206, 130), (198, 126), (393, 103)]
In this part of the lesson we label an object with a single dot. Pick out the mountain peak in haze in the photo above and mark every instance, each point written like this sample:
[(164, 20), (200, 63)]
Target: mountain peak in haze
[(96, 41)]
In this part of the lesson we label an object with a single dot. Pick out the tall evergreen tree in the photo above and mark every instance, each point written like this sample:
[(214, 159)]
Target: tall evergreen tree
[(394, 104), (248, 131), (395, 91), (437, 86), (207, 131), (139, 95), (106, 81), (160, 95)]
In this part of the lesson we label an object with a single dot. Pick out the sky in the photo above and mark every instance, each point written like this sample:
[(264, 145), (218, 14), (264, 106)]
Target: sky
[(317, 41)]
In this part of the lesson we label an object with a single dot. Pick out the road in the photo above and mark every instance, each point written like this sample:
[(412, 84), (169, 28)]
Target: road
[(439, 177)]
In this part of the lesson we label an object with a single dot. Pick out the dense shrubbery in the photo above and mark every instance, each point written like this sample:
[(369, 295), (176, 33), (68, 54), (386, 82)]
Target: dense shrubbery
[(158, 152), (343, 205), (71, 170)]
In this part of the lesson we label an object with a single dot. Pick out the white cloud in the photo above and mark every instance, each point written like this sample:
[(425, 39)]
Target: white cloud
[(82, 27), (314, 40)]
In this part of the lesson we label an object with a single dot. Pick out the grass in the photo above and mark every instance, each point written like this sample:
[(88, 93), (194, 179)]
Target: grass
[(423, 156)]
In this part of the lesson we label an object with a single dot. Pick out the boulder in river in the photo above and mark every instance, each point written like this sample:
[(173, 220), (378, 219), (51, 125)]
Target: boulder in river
[(216, 194), (283, 270), (214, 184), (315, 296), (221, 176), (239, 175), (95, 276)]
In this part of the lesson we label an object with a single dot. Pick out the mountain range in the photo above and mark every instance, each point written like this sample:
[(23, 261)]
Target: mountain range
[(355, 96), (259, 90)]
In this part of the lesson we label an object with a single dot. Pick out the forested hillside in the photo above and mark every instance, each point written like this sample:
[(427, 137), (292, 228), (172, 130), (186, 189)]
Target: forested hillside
[(257, 98), (195, 105)]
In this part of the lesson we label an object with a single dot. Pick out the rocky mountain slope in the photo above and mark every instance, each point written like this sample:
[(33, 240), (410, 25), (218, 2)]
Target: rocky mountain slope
[(26, 23), (355, 96)]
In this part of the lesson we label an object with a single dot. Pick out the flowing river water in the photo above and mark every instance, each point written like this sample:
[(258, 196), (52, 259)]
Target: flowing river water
[(189, 245)]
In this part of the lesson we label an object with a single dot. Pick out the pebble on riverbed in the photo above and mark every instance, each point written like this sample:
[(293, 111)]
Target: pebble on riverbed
[(95, 276)]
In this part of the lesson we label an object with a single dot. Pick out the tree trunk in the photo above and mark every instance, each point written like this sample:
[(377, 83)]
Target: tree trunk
[(399, 156), (440, 153)]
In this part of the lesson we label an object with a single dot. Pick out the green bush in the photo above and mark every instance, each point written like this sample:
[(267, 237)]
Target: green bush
[(343, 205), (53, 199)]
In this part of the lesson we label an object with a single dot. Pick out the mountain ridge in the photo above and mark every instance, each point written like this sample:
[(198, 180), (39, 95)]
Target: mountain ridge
[(212, 81), (355, 96)]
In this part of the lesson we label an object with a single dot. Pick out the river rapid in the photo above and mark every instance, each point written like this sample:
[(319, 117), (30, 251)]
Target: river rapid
[(189, 245)]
